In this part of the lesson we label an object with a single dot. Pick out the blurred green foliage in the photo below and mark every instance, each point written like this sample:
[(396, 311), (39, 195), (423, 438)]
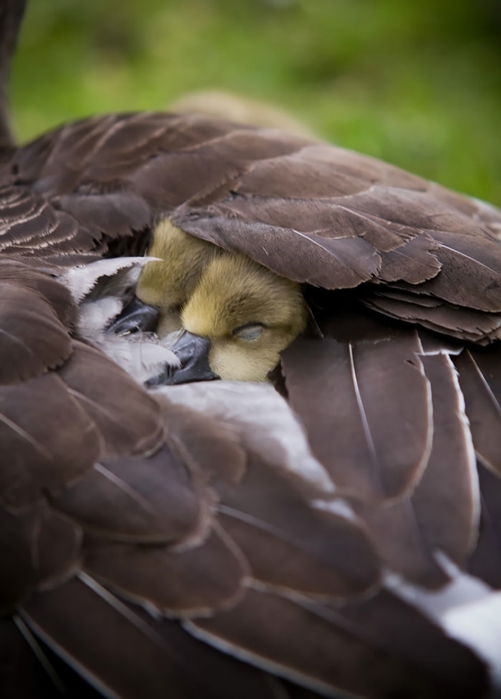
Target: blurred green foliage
[(415, 83)]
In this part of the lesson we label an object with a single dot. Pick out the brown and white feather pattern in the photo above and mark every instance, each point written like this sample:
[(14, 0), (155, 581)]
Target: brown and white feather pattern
[(223, 540)]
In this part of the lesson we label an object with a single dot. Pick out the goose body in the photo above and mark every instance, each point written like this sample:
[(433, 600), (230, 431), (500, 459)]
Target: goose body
[(333, 530)]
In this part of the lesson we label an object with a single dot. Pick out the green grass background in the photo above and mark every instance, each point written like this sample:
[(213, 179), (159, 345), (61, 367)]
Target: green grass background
[(415, 83)]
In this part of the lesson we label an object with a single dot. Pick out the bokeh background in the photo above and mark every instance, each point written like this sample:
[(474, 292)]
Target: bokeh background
[(415, 83)]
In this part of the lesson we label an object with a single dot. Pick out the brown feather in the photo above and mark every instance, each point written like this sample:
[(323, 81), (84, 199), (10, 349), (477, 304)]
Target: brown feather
[(353, 400), (223, 676), (396, 535), (446, 500), (465, 324), (205, 444), (395, 626), (137, 499), (84, 435), (31, 226), (480, 379), (41, 548), (289, 543), (441, 514), (485, 561), (47, 440), (320, 649), (32, 339), (127, 418), (27, 670), (82, 622), (191, 581)]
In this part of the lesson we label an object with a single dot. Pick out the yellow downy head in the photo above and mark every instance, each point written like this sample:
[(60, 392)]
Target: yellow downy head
[(248, 313), (169, 282)]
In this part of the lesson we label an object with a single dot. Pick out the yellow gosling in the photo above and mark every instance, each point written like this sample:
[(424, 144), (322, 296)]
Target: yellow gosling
[(248, 313), (169, 282)]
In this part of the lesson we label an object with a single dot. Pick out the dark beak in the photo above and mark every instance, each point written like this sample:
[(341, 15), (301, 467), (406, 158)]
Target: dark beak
[(135, 317), (193, 353)]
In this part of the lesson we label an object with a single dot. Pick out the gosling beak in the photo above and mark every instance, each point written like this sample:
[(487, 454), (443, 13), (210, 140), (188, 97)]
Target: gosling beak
[(193, 353), (135, 317)]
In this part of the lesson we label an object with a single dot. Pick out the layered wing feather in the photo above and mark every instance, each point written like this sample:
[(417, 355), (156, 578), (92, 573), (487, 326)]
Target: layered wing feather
[(339, 390), (267, 538)]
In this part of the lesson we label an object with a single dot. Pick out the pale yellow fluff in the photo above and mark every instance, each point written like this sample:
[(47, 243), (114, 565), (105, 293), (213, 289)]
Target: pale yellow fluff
[(249, 313)]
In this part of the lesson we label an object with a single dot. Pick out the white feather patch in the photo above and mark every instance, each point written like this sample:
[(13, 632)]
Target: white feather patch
[(81, 280), (478, 625), (263, 420), (94, 317), (466, 608), (337, 506), (142, 355), (143, 358)]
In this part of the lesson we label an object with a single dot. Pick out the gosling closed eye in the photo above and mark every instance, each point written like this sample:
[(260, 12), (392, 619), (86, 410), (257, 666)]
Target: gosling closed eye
[(249, 332)]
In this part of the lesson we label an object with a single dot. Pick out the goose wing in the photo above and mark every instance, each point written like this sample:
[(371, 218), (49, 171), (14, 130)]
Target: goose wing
[(312, 212), (209, 541)]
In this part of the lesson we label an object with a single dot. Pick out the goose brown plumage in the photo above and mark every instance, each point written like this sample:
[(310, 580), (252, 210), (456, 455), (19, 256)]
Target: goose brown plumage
[(339, 537)]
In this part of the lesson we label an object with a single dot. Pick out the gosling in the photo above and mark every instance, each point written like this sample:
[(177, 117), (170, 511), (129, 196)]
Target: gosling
[(236, 315)]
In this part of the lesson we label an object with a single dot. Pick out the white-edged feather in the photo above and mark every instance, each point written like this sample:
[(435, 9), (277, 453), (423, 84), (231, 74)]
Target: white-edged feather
[(338, 506), (142, 355), (263, 420), (466, 608), (81, 280), (94, 317)]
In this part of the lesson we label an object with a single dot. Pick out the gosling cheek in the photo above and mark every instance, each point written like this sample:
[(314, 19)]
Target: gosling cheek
[(224, 362), (236, 363)]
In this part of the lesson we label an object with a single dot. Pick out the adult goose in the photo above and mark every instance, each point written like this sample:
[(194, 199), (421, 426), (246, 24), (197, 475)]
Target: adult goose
[(331, 528)]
